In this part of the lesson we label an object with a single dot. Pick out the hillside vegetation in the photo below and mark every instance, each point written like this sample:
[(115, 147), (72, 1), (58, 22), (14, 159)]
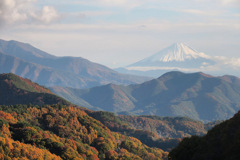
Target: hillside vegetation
[(61, 132), (17, 90), (220, 143), (154, 131)]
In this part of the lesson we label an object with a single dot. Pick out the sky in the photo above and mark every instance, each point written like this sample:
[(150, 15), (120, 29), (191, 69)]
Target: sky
[(117, 33)]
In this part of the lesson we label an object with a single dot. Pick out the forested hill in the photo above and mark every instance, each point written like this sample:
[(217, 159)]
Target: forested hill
[(60, 132), (221, 142), (51, 127), (17, 90), (154, 131)]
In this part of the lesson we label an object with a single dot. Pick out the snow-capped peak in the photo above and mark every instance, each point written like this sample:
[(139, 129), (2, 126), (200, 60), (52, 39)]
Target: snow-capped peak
[(176, 56), (176, 52)]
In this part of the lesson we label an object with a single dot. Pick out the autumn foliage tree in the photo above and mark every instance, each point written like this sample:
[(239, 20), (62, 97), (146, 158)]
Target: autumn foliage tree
[(65, 132)]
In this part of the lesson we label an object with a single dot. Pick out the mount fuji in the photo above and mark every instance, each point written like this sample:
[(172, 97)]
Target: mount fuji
[(178, 57)]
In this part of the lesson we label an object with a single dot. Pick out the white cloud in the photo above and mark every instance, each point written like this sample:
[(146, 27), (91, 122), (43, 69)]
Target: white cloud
[(19, 11), (223, 65), (230, 2), (47, 15), (112, 3), (232, 62), (11, 11), (201, 12), (163, 68), (97, 13), (130, 4)]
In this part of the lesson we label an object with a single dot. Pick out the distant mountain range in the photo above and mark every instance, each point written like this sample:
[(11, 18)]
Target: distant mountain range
[(17, 90), (195, 95), (29, 62), (181, 57)]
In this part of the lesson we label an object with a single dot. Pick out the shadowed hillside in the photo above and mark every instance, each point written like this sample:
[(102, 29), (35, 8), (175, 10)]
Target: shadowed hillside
[(221, 142)]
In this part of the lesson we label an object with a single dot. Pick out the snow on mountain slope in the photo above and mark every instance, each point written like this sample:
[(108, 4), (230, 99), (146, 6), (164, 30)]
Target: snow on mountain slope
[(178, 56), (176, 52)]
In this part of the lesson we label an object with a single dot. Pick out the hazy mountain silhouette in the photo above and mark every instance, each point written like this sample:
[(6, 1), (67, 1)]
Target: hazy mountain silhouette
[(195, 95), (29, 62)]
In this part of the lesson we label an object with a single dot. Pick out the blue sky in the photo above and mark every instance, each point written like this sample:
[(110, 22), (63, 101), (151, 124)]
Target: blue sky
[(120, 32)]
